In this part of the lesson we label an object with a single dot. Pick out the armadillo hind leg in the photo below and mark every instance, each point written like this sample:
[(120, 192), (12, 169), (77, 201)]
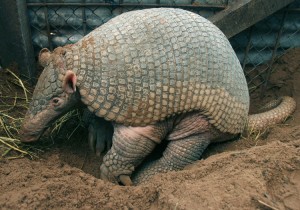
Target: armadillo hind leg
[(130, 146), (189, 138), (177, 155)]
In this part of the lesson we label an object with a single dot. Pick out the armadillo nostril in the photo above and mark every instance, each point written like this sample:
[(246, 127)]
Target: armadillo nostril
[(29, 139)]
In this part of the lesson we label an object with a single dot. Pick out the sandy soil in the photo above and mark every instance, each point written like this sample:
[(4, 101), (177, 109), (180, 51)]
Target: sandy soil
[(250, 173)]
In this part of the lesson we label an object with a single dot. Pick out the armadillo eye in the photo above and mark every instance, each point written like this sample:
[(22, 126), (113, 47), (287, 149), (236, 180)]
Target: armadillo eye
[(55, 101)]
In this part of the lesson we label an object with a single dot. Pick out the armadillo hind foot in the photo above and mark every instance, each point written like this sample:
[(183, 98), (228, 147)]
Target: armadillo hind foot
[(177, 155)]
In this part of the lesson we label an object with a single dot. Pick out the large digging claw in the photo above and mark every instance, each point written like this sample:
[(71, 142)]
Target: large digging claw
[(100, 133), (125, 180), (107, 175)]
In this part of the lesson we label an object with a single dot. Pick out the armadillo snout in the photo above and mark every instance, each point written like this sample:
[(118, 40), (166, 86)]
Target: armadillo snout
[(30, 130), (27, 135)]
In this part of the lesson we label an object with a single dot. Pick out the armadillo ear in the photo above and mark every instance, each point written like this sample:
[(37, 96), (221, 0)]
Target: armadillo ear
[(44, 57), (69, 82)]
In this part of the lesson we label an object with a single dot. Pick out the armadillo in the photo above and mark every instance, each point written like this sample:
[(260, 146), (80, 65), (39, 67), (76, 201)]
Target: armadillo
[(157, 75)]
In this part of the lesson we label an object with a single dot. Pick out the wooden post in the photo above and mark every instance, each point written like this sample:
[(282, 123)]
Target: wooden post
[(241, 14), (15, 38)]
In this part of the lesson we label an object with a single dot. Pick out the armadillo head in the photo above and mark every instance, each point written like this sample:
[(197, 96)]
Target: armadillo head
[(54, 95)]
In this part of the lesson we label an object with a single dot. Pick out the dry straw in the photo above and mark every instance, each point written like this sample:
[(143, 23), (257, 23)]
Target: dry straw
[(13, 105)]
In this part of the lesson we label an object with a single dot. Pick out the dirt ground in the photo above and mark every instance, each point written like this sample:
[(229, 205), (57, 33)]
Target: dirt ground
[(250, 173)]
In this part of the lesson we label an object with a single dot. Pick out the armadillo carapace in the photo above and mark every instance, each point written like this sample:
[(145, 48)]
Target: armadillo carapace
[(156, 74)]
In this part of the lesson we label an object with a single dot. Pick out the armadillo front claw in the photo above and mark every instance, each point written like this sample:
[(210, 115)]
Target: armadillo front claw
[(100, 135), (96, 143)]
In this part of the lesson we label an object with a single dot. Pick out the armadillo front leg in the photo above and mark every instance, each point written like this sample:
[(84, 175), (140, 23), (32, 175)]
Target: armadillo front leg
[(130, 146)]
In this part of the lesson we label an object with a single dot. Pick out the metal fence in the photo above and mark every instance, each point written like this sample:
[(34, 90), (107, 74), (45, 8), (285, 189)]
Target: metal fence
[(261, 45), (57, 23)]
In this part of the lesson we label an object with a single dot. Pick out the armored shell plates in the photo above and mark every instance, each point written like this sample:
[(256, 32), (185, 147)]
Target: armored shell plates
[(145, 66)]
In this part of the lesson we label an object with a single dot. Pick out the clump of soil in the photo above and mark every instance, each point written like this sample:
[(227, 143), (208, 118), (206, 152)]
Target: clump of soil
[(252, 173)]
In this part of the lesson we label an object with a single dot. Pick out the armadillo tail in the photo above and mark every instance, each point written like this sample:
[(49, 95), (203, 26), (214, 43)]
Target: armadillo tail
[(286, 106)]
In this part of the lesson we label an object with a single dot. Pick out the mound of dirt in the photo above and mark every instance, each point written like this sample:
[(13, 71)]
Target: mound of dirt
[(251, 173)]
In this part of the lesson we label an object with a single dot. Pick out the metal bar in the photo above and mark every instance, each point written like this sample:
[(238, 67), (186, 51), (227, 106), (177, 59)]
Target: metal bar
[(264, 87), (46, 14), (219, 7), (83, 19), (247, 47), (292, 9)]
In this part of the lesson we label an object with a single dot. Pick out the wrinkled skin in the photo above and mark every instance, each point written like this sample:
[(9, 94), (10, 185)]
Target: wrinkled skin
[(187, 136), (54, 95), (34, 125)]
